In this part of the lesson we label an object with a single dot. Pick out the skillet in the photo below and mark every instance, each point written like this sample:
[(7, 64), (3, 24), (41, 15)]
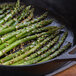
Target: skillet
[(51, 65)]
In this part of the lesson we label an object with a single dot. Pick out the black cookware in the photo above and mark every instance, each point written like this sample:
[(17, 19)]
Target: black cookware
[(63, 11)]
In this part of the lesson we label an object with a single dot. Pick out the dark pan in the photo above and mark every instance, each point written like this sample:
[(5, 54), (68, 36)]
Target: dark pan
[(51, 65)]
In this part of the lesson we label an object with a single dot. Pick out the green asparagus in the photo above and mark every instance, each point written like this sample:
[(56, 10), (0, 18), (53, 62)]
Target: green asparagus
[(3, 5), (19, 28), (10, 35), (24, 14), (3, 15), (18, 19), (5, 8), (27, 52), (56, 53), (21, 25), (18, 42), (28, 29), (11, 56), (11, 14), (35, 60), (39, 51)]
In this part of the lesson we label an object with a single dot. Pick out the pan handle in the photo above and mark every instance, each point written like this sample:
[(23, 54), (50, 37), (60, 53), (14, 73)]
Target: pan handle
[(67, 55)]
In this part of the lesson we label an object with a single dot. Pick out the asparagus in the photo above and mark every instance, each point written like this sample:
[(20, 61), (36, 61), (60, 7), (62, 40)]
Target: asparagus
[(29, 17), (27, 52), (18, 4), (18, 42), (28, 29), (11, 56), (5, 8), (11, 14), (42, 50), (21, 25), (24, 14), (10, 35), (6, 4), (46, 35), (35, 60), (56, 53), (3, 15), (15, 21), (1, 11)]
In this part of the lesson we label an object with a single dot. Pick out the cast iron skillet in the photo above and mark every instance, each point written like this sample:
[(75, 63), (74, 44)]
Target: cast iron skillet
[(51, 65)]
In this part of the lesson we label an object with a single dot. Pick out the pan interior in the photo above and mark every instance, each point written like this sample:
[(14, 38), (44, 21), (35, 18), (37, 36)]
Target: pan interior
[(70, 37)]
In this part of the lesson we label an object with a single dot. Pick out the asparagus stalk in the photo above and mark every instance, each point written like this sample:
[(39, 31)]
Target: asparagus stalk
[(58, 52), (34, 26), (28, 29), (35, 60), (3, 15), (52, 36), (21, 25), (29, 17), (18, 42), (27, 52), (2, 11), (10, 15), (6, 4), (11, 56), (10, 35), (18, 19), (18, 4), (5, 8), (42, 50), (24, 14)]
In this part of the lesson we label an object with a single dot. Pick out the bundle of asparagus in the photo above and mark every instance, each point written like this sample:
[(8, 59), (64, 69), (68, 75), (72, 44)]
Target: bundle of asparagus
[(18, 28)]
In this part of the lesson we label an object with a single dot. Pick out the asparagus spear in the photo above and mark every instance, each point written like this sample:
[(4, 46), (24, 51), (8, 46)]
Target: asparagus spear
[(3, 15), (10, 15), (13, 22), (42, 50), (5, 8), (10, 35), (3, 5), (1, 11), (21, 25), (28, 29), (24, 14), (29, 17), (18, 42), (35, 60), (52, 36), (27, 52), (18, 4), (11, 56), (18, 19), (56, 53)]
